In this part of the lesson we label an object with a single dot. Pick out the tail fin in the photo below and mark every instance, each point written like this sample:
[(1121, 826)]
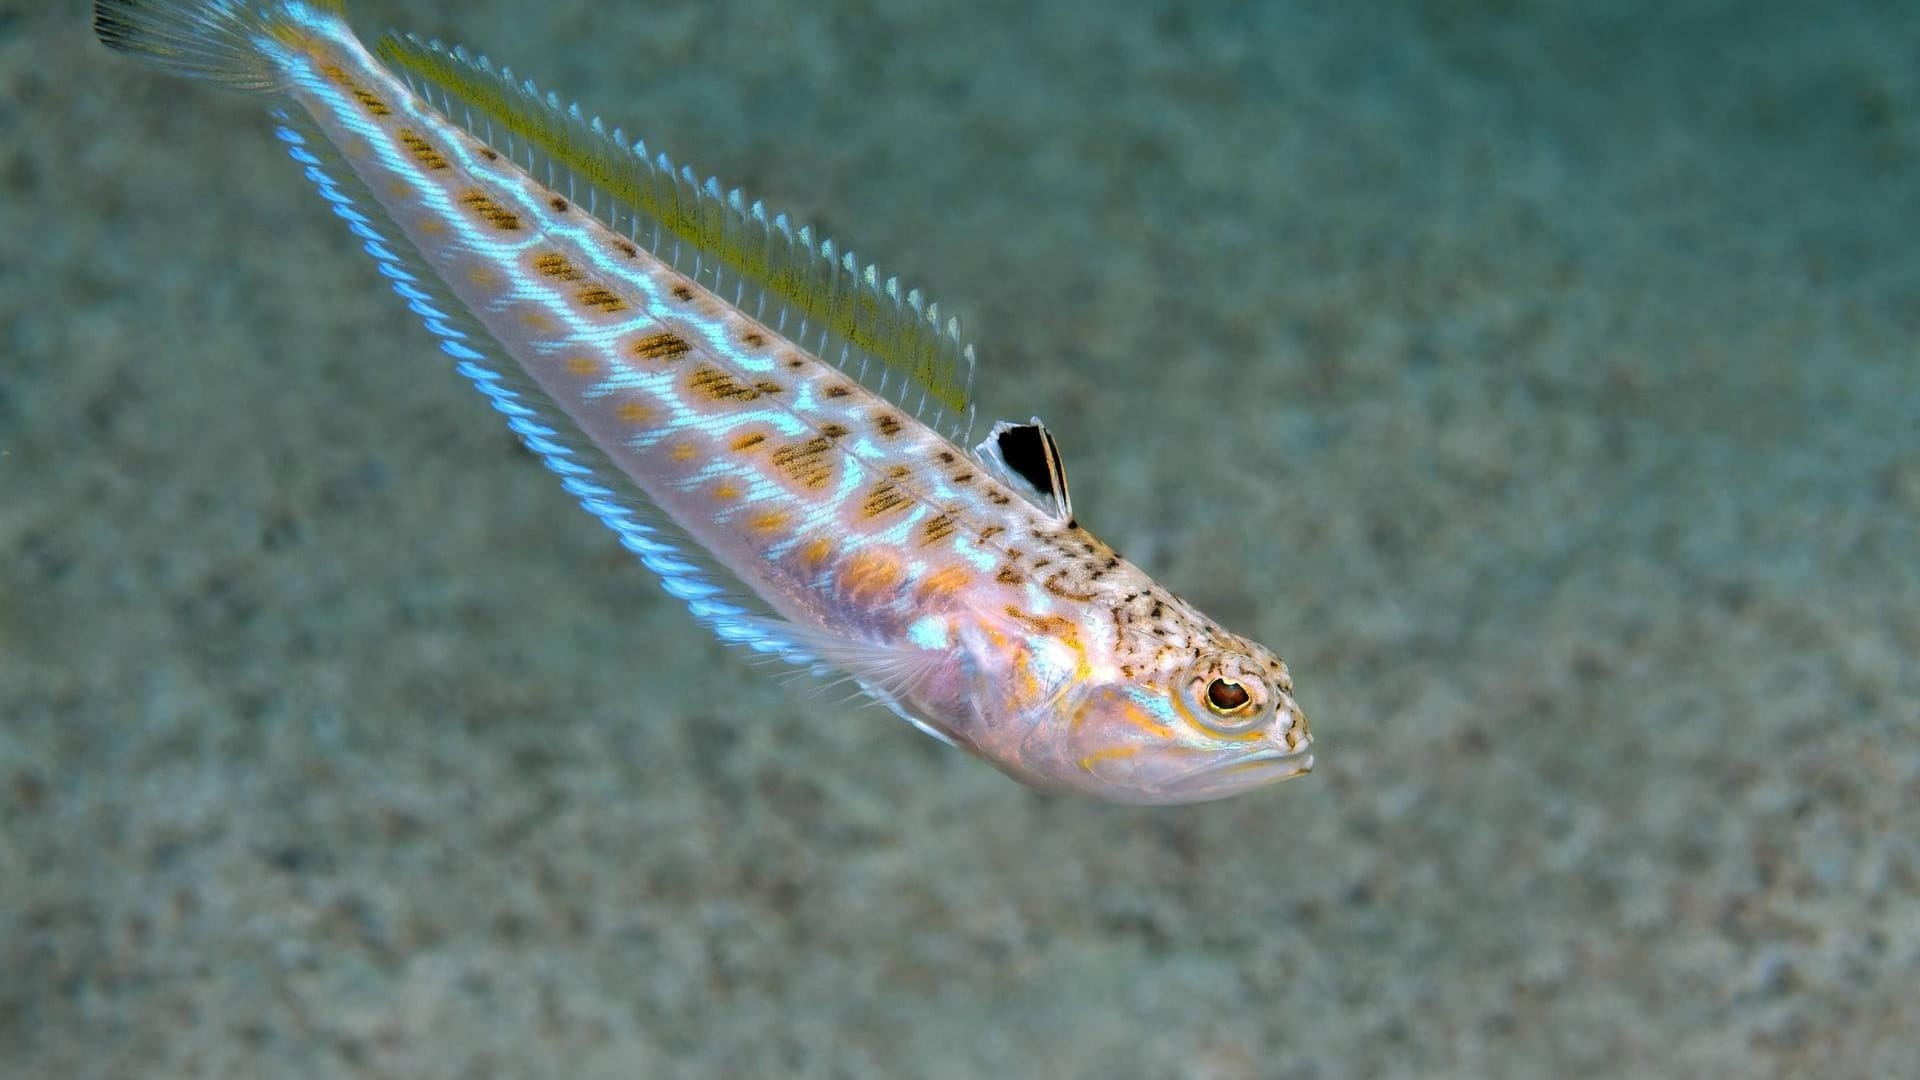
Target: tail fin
[(218, 41)]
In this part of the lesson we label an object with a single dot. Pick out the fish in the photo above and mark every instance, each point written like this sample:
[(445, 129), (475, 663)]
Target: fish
[(777, 431)]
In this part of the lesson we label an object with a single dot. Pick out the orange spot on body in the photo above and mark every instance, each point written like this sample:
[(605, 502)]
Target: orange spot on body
[(805, 463), (884, 498), (483, 206), (767, 522), (726, 491), (601, 300), (422, 150), (661, 346), (685, 451), (555, 265), (634, 412), (817, 551), (938, 527), (581, 365), (717, 385), (946, 582), (870, 575)]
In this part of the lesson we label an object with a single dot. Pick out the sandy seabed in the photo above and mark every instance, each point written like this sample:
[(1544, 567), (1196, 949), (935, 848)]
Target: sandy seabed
[(1542, 384)]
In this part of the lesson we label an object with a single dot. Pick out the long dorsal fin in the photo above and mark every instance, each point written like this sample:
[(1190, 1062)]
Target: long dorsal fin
[(1026, 459), (826, 300)]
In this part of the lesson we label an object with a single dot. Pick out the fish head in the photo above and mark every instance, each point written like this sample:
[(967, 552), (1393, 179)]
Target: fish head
[(1162, 723), (1212, 722)]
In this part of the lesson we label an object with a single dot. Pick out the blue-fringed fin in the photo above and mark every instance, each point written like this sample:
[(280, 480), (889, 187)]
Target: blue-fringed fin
[(708, 589)]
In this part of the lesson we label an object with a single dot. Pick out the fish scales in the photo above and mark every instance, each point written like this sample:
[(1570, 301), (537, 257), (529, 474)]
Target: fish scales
[(780, 464), (953, 585)]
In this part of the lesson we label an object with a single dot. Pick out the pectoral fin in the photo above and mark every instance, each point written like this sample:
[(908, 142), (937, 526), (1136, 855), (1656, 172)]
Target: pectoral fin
[(891, 675)]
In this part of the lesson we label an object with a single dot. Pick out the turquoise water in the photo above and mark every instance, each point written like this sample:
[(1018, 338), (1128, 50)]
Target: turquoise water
[(1541, 384)]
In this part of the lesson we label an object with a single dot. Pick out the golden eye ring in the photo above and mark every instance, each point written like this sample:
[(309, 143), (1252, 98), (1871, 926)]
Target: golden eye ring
[(1226, 697)]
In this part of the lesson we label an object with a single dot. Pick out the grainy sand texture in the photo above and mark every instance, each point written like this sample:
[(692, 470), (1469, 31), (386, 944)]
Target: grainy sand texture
[(1542, 380)]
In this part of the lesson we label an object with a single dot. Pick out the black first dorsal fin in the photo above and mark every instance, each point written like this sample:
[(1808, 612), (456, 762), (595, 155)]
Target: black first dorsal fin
[(1026, 459)]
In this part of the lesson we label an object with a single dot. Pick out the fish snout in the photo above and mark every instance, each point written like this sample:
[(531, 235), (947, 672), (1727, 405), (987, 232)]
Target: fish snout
[(1290, 726)]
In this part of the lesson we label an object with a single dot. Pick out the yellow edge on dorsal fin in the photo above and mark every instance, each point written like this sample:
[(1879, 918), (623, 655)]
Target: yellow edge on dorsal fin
[(822, 298)]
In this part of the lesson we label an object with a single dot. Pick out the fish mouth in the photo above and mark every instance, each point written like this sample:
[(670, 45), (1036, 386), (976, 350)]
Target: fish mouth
[(1287, 763), (1209, 781), (1244, 772)]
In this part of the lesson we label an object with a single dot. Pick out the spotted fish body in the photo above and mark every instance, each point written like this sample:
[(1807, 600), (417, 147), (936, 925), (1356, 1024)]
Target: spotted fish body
[(769, 426)]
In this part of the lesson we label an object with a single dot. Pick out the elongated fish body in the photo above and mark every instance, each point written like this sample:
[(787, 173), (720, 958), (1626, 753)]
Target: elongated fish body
[(773, 428)]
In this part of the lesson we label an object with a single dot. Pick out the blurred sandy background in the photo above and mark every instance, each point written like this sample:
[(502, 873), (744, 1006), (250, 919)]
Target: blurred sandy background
[(1542, 384)]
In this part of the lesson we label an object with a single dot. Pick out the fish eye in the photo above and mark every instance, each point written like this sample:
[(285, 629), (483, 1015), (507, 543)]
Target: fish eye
[(1226, 697)]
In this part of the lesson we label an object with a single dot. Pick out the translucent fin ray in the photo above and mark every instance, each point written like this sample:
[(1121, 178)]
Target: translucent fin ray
[(716, 599), (214, 41), (802, 286), (887, 675)]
